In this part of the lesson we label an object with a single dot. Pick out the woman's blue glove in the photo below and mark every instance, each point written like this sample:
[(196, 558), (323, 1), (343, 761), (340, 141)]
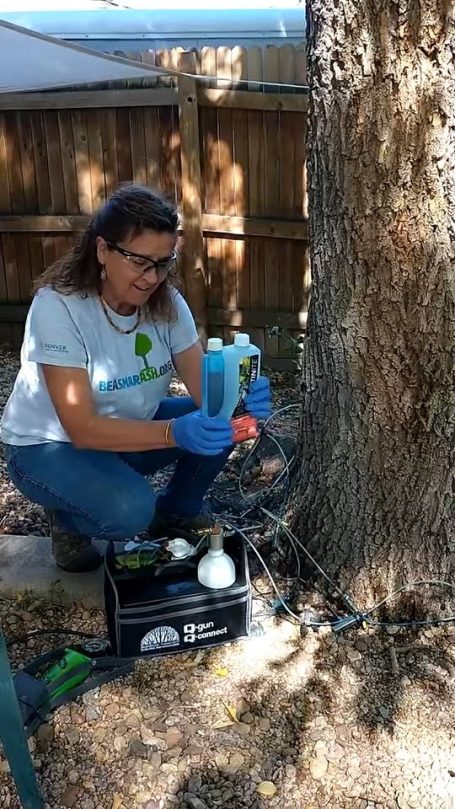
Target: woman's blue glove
[(258, 401), (202, 435)]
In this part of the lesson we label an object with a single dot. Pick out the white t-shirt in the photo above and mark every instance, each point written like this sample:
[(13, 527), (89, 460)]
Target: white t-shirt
[(129, 373)]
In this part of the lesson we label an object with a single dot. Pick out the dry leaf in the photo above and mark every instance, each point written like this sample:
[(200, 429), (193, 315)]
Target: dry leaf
[(221, 672), (267, 789), (198, 658), (232, 711), (222, 723)]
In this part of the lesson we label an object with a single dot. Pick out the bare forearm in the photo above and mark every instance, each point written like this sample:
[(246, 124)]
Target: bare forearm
[(123, 435)]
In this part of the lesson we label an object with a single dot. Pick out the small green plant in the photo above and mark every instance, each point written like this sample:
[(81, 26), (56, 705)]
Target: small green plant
[(295, 343)]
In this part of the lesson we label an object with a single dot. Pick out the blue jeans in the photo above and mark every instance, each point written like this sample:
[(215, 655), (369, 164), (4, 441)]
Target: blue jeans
[(105, 494)]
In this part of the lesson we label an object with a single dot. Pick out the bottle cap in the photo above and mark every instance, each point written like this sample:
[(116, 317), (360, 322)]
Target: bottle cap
[(214, 344), (242, 340)]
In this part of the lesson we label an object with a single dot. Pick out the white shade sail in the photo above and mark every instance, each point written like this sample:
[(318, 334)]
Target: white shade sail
[(31, 61)]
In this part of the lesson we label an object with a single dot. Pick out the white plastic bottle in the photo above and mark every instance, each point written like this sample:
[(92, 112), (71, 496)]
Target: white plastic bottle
[(216, 569), (242, 366)]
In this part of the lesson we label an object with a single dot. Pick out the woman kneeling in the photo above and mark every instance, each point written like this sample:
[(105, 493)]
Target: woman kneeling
[(89, 417)]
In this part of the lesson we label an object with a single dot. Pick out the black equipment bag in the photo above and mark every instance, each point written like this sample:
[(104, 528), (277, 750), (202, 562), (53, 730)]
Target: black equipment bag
[(162, 609)]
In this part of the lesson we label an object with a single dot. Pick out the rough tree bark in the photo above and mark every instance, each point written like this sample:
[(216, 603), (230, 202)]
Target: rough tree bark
[(374, 501)]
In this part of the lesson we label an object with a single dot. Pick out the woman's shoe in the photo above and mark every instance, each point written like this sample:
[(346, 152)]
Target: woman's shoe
[(169, 525), (72, 552)]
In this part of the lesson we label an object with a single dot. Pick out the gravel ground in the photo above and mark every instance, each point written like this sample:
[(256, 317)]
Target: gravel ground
[(355, 721)]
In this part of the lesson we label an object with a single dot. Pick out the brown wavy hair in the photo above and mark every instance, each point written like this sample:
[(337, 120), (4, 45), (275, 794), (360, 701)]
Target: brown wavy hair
[(128, 212)]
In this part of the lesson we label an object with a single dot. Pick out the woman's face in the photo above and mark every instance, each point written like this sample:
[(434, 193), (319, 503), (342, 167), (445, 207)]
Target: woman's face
[(132, 279)]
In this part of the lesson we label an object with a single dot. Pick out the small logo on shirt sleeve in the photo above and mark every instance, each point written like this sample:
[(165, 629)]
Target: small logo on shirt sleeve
[(56, 348)]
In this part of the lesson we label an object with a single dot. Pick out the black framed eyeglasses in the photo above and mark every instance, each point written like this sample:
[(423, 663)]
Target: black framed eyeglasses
[(142, 264)]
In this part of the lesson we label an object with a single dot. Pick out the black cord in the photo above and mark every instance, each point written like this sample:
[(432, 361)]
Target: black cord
[(57, 631)]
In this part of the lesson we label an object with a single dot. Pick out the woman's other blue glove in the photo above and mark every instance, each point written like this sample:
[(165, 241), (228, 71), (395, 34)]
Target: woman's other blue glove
[(258, 401), (201, 435)]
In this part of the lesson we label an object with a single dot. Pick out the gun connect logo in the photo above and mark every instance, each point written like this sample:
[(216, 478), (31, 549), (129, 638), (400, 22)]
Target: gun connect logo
[(196, 632)]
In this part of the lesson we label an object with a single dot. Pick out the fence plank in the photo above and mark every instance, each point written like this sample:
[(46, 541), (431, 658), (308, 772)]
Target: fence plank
[(138, 152), (54, 158), (271, 135), (3, 287), (24, 136), (235, 318), (13, 162), (84, 182), (68, 154), (239, 318), (41, 162), (255, 141), (301, 66), (36, 255), (109, 144), (5, 197), (223, 96), (88, 99), (208, 65), (152, 148), (11, 268), (148, 57), (240, 139), (226, 182), (287, 136), (95, 149), (168, 162), (122, 131), (298, 132), (24, 267), (193, 256), (250, 100), (211, 223)]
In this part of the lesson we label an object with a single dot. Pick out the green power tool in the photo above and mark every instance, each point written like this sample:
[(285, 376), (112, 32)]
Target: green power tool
[(71, 670)]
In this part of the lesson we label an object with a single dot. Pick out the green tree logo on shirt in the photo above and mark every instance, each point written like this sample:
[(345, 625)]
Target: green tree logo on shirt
[(142, 347)]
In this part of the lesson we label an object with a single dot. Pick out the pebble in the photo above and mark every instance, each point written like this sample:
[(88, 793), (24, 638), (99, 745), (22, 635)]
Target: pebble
[(70, 796), (194, 784), (73, 776), (236, 762), (173, 752), (193, 750), (242, 706), (72, 735), (318, 767), (242, 729), (193, 802), (149, 737), (45, 734), (138, 749), (392, 630), (155, 760), (264, 724), (361, 645), (173, 737)]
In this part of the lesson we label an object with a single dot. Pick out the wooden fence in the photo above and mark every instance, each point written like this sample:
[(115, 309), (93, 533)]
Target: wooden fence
[(231, 155)]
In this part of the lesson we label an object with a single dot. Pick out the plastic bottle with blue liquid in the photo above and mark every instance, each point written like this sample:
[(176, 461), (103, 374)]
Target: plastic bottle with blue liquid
[(228, 372)]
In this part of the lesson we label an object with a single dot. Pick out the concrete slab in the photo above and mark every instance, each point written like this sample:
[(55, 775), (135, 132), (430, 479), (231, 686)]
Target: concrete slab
[(26, 563)]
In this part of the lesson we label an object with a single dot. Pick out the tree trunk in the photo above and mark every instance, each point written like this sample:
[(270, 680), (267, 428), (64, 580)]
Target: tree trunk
[(374, 501)]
